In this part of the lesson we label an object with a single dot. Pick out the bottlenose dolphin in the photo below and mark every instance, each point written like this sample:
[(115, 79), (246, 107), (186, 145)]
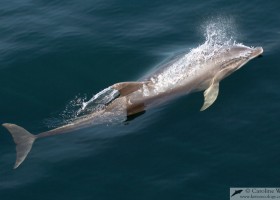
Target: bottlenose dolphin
[(189, 73)]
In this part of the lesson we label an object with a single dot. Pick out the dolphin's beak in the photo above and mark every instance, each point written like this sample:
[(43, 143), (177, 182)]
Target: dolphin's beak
[(257, 52)]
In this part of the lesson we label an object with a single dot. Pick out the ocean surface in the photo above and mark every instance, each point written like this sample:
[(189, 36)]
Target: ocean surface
[(55, 55)]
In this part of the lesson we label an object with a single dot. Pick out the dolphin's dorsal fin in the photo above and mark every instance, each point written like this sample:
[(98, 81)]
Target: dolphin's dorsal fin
[(210, 95), (126, 88)]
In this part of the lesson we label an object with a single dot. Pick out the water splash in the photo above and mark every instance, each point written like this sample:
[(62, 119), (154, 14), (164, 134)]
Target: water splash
[(219, 35), (68, 114), (220, 31), (98, 101), (79, 107), (70, 111)]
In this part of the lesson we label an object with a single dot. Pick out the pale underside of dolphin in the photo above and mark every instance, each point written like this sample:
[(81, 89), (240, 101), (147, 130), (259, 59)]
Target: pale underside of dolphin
[(180, 76)]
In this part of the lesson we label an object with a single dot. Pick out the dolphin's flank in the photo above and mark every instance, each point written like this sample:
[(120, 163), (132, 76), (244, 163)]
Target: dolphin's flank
[(196, 71)]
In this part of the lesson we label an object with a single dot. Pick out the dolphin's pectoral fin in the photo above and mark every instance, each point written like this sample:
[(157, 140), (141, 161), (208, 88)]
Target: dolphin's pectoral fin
[(126, 88), (210, 95)]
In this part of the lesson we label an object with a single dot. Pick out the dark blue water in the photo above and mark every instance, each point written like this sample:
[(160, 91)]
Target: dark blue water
[(53, 52)]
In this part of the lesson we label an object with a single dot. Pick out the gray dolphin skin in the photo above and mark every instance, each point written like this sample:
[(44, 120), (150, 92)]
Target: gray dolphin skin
[(191, 72)]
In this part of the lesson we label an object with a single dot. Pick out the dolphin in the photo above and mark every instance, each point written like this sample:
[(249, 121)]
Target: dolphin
[(192, 72)]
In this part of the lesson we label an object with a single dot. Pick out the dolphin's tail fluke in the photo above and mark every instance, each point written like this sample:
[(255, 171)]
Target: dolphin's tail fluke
[(23, 139)]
